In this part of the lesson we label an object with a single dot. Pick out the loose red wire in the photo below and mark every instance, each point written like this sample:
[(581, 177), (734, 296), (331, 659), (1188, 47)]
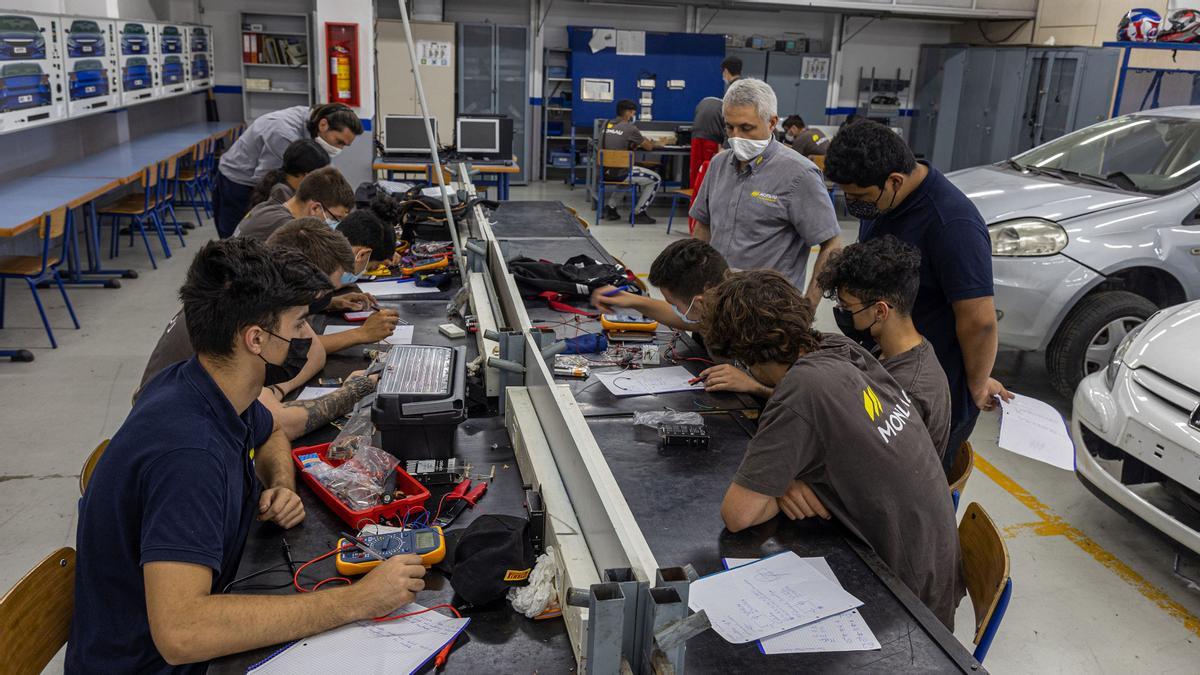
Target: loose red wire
[(319, 584)]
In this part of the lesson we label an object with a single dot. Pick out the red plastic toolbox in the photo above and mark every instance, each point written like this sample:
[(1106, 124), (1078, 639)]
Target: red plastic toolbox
[(412, 504)]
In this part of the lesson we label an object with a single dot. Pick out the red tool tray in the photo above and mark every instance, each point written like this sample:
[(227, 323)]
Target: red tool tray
[(413, 504)]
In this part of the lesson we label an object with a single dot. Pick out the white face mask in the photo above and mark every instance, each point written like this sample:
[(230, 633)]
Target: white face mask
[(790, 138), (747, 149), (329, 148)]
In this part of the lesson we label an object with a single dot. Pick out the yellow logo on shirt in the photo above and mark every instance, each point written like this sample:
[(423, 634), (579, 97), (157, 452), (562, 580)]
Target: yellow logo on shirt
[(764, 196), (871, 404)]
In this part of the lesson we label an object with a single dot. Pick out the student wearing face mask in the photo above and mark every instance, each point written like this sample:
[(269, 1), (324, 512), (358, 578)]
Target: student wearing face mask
[(804, 140), (894, 194), (260, 149), (762, 205), (323, 194)]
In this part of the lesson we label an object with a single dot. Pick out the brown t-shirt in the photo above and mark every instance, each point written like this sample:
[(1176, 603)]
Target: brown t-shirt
[(263, 220), (918, 372), (840, 423), (174, 345), (811, 142)]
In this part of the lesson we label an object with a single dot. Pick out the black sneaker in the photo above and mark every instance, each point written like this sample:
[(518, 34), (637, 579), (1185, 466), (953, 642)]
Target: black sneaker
[(610, 213), (643, 219)]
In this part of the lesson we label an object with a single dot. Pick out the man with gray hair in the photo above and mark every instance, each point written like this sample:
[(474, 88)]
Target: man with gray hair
[(761, 204)]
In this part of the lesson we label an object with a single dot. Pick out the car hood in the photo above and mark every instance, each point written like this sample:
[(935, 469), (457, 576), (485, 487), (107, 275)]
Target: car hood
[(1002, 194), (1167, 345)]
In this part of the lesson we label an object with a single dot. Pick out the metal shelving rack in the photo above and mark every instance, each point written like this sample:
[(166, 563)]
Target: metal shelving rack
[(565, 141), (290, 85), (1150, 98)]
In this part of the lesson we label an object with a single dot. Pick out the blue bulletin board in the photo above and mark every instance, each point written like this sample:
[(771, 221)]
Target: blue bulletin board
[(693, 58)]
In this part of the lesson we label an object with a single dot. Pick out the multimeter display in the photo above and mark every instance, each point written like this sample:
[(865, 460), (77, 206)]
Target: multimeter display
[(624, 321), (425, 542)]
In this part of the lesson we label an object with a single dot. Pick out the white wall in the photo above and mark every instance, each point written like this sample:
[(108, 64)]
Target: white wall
[(355, 161), (886, 44)]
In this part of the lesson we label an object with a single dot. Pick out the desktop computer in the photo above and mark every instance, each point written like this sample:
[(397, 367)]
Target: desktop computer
[(405, 135), (484, 137)]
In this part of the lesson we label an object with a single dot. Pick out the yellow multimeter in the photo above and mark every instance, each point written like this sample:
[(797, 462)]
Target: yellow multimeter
[(425, 265), (427, 542), (633, 323)]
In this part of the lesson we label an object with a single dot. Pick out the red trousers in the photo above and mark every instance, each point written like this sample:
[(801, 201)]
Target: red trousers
[(703, 150)]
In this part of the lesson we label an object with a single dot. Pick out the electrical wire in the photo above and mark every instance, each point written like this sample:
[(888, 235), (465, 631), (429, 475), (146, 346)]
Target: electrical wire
[(710, 20), (1006, 38), (864, 27), (319, 584)]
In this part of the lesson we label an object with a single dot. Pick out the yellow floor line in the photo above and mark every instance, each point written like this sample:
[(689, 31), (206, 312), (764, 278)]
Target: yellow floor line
[(1052, 524)]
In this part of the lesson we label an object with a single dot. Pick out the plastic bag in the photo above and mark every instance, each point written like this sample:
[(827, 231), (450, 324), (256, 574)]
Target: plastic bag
[(534, 598), (358, 482), (657, 418), (358, 433)]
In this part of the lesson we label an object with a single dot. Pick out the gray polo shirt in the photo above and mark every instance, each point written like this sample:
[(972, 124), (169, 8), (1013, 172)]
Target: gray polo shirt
[(260, 148), (263, 220), (708, 122), (769, 214)]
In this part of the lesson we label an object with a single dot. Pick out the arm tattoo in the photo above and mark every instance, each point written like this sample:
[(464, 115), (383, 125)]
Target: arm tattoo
[(323, 410)]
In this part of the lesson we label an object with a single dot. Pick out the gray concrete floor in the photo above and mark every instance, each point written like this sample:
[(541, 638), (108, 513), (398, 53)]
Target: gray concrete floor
[(1092, 591)]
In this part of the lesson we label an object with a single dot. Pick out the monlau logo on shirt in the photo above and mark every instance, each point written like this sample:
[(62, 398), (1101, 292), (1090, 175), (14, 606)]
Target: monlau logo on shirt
[(764, 196), (895, 421)]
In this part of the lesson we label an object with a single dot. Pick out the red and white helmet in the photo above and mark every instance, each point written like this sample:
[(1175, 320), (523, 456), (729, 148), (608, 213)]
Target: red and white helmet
[(1139, 25), (1183, 25)]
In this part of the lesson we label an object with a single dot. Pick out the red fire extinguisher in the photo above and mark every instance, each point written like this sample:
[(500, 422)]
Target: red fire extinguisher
[(341, 50)]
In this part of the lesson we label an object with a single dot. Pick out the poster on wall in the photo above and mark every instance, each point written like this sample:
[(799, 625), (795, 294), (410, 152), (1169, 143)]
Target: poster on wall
[(814, 68), (433, 53), (137, 60), (173, 59), (200, 48), (31, 91), (89, 48)]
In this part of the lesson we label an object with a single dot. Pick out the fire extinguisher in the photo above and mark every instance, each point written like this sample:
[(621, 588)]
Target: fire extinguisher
[(339, 63)]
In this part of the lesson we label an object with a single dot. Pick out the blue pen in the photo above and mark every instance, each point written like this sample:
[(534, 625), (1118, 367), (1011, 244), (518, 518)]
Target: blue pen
[(619, 289)]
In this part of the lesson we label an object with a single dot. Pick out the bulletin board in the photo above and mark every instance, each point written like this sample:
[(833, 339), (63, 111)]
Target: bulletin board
[(695, 59)]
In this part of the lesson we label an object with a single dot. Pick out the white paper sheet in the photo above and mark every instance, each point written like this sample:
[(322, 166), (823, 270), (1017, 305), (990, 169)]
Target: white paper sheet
[(394, 289), (845, 632), (309, 393), (631, 43), (399, 646), (1034, 429), (401, 335), (648, 381), (767, 597), (602, 38)]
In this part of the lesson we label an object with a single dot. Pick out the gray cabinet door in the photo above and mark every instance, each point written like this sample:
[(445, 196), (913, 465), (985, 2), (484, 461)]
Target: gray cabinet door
[(512, 88), (805, 98), (476, 69), (754, 62)]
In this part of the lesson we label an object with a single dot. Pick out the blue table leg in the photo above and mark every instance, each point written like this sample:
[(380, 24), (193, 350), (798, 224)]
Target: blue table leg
[(503, 187), (93, 239), (75, 269)]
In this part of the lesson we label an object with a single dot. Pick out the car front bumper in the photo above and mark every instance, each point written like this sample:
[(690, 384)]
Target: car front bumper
[(1033, 295), (1101, 423)]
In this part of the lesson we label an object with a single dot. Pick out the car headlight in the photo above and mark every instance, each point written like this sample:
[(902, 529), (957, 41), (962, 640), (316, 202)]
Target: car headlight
[(1027, 237), (1118, 356)]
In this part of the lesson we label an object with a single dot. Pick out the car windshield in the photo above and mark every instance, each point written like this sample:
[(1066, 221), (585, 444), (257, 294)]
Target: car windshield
[(134, 29), (198, 32), (18, 23), (1141, 153), (89, 64), (172, 59), (170, 30), (136, 61), (17, 69), (85, 27)]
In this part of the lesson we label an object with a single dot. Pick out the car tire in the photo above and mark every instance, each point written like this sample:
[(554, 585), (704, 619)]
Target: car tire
[(1066, 357)]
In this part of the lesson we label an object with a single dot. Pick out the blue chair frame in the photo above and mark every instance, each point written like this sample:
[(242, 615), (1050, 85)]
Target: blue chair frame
[(993, 625), (147, 214), (54, 225), (987, 567), (603, 164)]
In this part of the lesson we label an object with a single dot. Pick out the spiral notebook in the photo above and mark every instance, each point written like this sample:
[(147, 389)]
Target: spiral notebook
[(400, 646)]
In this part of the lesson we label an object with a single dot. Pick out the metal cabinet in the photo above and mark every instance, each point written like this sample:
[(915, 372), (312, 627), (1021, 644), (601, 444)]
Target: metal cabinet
[(977, 105), (805, 98), (493, 78)]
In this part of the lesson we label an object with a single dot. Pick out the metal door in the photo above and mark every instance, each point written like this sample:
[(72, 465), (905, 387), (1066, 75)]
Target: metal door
[(805, 98), (512, 88), (1050, 96), (476, 69)]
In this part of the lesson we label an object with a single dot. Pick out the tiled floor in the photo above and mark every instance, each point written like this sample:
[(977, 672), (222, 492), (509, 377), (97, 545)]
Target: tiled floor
[(1092, 591)]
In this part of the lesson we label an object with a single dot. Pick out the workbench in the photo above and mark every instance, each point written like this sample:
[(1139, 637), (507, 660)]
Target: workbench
[(500, 172)]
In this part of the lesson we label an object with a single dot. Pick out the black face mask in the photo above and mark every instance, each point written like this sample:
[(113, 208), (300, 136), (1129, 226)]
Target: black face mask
[(864, 210), (845, 322), (293, 363), (320, 304)]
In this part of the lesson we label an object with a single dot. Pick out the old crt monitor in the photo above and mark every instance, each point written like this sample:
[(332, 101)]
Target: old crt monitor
[(405, 135), (484, 137)]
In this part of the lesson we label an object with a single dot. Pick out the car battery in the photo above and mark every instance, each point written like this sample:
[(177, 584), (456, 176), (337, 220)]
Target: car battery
[(420, 400)]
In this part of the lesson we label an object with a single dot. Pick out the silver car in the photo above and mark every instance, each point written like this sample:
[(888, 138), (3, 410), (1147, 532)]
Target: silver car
[(1136, 426), (1091, 234)]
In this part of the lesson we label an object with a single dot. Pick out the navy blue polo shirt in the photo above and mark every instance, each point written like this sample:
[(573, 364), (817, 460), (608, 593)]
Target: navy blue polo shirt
[(956, 264), (176, 484)]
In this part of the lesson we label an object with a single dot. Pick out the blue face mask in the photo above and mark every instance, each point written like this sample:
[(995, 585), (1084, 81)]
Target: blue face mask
[(329, 220), (683, 316), (348, 278)]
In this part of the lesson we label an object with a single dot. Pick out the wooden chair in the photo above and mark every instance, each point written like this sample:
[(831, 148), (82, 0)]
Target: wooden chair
[(35, 614), (89, 466), (986, 566), (141, 212), (190, 186), (164, 199), (700, 173), (819, 160), (686, 195), (960, 471), (38, 269), (619, 160)]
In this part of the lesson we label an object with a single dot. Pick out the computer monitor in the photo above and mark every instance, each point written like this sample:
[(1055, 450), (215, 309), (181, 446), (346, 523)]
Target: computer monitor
[(478, 135), (405, 134)]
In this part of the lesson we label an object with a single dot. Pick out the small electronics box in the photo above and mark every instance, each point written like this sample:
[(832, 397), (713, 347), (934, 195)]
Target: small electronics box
[(436, 471), (425, 265), (628, 323), (426, 542), (421, 400), (682, 436)]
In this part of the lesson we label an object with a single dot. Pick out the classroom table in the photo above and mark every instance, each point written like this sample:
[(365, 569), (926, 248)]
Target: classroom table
[(502, 172)]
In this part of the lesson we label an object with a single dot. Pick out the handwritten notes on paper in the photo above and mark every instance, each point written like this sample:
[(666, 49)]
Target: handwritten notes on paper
[(845, 632), (767, 597), (401, 335), (399, 646), (648, 381), (1034, 429), (393, 289)]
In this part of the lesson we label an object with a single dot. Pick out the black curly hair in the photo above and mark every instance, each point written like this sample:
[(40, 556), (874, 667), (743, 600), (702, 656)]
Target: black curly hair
[(865, 153), (883, 268), (364, 228), (757, 317), (687, 268)]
